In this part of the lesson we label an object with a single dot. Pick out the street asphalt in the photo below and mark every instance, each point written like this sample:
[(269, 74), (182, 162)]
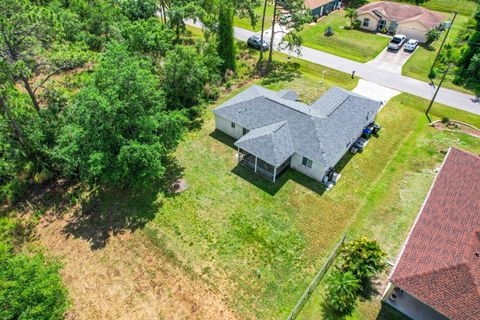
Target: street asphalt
[(379, 76)]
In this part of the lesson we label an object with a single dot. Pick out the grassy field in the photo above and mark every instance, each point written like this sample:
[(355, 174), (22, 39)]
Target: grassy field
[(351, 44), (245, 21), (418, 66), (465, 7), (260, 243)]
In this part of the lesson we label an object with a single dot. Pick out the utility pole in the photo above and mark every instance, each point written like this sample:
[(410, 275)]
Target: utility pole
[(436, 92), (443, 41)]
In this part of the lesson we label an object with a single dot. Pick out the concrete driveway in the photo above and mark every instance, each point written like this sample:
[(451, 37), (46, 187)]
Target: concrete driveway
[(392, 61), (375, 91)]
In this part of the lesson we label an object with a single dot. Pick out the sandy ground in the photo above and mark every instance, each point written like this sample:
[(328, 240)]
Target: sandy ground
[(127, 279)]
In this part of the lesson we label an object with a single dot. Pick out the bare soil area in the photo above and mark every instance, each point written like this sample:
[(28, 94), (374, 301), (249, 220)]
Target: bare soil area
[(126, 278)]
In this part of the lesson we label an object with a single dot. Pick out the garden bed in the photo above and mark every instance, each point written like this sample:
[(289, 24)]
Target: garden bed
[(457, 126)]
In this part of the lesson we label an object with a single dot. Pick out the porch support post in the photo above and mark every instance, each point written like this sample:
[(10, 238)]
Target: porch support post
[(238, 154), (255, 164), (274, 173)]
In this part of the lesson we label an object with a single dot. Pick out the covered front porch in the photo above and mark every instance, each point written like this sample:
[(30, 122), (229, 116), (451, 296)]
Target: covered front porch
[(260, 166)]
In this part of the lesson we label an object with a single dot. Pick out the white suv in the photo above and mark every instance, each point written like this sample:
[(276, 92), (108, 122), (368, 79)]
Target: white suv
[(397, 42)]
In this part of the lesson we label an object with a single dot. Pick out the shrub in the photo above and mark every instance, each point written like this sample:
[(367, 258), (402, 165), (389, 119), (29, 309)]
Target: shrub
[(343, 288), (445, 120), (329, 31), (356, 23), (432, 36), (31, 287)]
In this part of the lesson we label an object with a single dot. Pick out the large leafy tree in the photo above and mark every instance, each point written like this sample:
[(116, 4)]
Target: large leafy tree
[(30, 287), (148, 36), (138, 9), (117, 130), (186, 71)]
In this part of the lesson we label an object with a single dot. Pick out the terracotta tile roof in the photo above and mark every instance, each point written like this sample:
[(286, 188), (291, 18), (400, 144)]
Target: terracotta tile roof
[(440, 264), (400, 12), (313, 4)]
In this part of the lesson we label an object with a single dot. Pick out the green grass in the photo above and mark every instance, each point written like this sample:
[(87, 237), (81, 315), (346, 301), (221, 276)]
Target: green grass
[(246, 24), (260, 243), (466, 7), (418, 66), (351, 44)]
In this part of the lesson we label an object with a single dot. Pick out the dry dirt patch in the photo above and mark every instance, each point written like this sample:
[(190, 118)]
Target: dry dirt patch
[(127, 279)]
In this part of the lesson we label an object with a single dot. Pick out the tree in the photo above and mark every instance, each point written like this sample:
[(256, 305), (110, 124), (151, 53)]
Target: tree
[(265, 3), (138, 9), (342, 292), (31, 287), (25, 32), (432, 36), (117, 130), (148, 36), (292, 17), (185, 74), (351, 14), (226, 41)]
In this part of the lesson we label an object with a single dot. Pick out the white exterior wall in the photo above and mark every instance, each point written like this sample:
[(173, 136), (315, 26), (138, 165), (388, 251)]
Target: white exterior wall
[(372, 26), (316, 172), (225, 126)]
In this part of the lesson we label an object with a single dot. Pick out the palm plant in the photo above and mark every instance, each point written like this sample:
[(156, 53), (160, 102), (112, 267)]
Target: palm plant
[(343, 288), (351, 14)]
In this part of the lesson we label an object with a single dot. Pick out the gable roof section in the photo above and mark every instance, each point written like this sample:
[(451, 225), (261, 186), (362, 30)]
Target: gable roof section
[(319, 132), (402, 13), (272, 143), (439, 264)]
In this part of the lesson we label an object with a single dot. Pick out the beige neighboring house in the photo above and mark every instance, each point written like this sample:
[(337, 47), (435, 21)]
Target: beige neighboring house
[(412, 21)]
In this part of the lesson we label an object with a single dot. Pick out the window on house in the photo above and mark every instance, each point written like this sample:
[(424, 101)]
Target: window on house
[(366, 22), (232, 125), (245, 131), (307, 162)]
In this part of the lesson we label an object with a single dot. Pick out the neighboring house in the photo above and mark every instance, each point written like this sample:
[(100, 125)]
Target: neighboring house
[(438, 273), (275, 131), (409, 20), (322, 7)]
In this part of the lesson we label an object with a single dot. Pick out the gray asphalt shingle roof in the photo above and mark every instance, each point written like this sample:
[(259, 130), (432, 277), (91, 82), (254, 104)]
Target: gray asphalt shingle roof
[(272, 143), (322, 131)]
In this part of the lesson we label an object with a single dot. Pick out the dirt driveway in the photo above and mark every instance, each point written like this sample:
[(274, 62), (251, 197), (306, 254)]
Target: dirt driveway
[(392, 61)]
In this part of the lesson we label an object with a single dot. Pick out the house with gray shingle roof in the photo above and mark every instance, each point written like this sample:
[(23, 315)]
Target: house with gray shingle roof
[(274, 131)]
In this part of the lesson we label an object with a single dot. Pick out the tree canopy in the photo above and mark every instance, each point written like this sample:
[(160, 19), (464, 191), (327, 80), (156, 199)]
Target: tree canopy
[(117, 129)]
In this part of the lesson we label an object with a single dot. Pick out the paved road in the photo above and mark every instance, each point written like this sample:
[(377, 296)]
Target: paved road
[(382, 77)]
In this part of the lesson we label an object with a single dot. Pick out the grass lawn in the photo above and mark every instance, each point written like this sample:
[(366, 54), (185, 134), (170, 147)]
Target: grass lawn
[(245, 22), (466, 7), (418, 66), (260, 243), (351, 44)]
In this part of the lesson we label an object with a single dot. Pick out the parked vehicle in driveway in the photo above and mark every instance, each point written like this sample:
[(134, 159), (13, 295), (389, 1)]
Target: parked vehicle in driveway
[(254, 42), (397, 42), (411, 45)]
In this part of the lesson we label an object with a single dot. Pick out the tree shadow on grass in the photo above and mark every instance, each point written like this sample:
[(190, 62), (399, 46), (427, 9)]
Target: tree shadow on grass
[(111, 212), (282, 71)]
